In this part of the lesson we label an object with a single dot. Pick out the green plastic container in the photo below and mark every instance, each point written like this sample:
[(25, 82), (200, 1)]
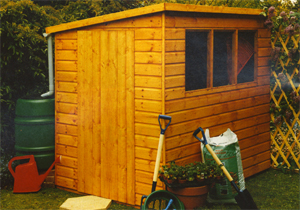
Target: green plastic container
[(35, 130), (160, 199)]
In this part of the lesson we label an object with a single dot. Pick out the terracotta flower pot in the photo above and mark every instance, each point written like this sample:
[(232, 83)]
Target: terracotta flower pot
[(170, 181), (199, 180), (182, 181), (191, 197)]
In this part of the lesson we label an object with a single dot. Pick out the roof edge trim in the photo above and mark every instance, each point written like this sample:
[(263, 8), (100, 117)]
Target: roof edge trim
[(150, 10), (106, 18)]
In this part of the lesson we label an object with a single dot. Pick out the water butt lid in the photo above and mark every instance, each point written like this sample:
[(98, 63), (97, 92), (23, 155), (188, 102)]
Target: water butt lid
[(35, 106)]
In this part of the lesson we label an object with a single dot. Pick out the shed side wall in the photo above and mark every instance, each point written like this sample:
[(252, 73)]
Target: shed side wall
[(66, 109), (242, 108)]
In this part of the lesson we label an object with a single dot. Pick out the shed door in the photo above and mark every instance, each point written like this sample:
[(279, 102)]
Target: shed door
[(106, 114)]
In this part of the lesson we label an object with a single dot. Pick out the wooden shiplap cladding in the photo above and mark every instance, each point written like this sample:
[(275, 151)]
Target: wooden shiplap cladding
[(114, 74), (106, 114)]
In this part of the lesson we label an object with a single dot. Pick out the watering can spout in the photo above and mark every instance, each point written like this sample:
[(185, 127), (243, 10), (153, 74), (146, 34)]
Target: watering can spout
[(27, 178), (43, 176)]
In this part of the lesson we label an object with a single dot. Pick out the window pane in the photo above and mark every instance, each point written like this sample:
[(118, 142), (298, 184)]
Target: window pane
[(222, 58), (195, 60), (245, 57)]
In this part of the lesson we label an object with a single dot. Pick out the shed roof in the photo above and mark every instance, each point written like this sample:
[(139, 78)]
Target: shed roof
[(150, 10)]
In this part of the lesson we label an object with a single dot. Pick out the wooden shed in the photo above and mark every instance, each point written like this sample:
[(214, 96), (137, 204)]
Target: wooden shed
[(114, 74)]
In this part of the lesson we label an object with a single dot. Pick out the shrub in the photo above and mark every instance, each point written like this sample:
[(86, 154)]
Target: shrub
[(23, 57), (6, 179)]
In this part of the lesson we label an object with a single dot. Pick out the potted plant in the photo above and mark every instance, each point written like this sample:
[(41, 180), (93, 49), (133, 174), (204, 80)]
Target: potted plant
[(191, 174), (169, 173), (190, 183), (218, 172), (202, 173), (181, 175)]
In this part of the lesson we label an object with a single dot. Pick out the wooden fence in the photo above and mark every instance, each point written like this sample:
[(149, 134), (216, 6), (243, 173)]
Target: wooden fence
[(285, 132)]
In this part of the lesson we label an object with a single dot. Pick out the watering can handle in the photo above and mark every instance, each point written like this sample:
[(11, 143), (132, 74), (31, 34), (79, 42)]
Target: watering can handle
[(31, 157), (169, 204), (142, 199)]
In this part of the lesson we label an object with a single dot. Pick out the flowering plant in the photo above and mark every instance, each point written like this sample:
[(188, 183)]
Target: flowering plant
[(289, 21), (285, 27)]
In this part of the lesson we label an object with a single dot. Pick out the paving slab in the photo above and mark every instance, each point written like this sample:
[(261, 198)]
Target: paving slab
[(89, 202)]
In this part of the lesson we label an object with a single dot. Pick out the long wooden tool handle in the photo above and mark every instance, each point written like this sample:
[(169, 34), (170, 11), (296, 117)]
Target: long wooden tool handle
[(227, 174), (157, 163)]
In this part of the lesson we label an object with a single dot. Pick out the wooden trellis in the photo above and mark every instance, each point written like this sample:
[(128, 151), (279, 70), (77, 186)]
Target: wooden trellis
[(285, 137)]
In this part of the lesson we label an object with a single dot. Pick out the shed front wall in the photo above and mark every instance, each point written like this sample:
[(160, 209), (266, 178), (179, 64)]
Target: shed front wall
[(106, 114), (108, 79), (158, 64)]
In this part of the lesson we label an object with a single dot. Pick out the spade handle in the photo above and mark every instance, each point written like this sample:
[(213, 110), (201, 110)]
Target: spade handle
[(210, 150)]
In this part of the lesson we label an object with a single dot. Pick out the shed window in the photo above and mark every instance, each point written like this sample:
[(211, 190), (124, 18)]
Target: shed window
[(245, 57), (219, 58), (222, 58), (196, 60)]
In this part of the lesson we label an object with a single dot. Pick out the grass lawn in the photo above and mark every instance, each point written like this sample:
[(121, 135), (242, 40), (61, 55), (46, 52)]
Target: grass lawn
[(270, 189)]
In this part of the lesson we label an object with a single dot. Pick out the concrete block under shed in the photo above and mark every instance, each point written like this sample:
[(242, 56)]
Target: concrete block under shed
[(90, 202)]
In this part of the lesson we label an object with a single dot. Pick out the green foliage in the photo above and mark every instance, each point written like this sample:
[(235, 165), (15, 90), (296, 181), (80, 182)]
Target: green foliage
[(57, 4), (191, 171), (226, 3), (79, 10), (82, 9), (286, 169), (23, 57), (6, 179)]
